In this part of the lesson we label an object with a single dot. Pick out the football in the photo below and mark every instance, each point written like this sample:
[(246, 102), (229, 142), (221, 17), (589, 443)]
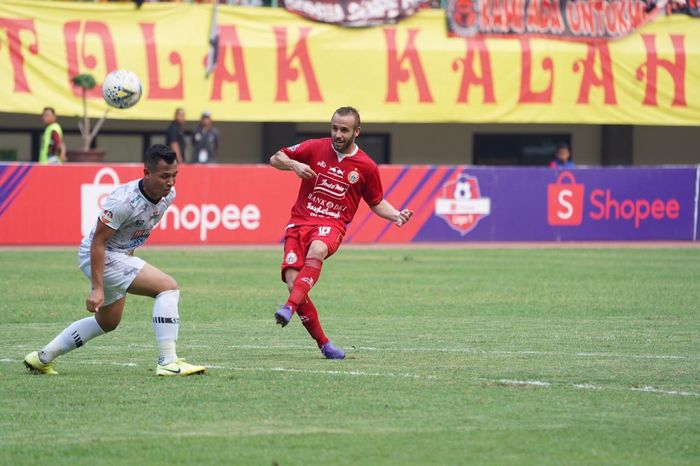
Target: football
[(121, 89)]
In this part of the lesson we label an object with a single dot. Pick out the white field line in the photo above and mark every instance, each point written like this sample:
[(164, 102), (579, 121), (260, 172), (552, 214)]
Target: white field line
[(665, 392), (354, 373), (473, 351), (582, 354), (585, 386), (534, 383), (589, 386), (113, 363), (328, 372)]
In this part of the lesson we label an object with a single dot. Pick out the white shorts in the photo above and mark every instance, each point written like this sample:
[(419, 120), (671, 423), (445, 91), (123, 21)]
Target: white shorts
[(120, 271)]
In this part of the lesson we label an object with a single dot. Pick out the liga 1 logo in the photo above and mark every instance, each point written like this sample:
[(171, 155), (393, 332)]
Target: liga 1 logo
[(461, 204), (93, 196)]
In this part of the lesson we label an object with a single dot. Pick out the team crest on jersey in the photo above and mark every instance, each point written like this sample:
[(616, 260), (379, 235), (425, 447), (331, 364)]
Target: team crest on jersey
[(291, 257), (321, 164), (353, 177), (106, 216), (461, 204)]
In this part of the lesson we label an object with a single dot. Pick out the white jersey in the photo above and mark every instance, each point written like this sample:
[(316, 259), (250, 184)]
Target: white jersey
[(132, 215)]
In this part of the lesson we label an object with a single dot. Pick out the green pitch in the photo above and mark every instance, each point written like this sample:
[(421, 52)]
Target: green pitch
[(561, 357)]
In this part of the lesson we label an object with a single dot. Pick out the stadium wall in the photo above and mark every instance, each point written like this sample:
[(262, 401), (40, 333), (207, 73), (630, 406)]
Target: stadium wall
[(242, 142), (249, 204)]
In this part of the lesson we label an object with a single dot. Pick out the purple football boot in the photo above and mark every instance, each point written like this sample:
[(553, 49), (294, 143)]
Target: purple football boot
[(332, 352), (284, 315)]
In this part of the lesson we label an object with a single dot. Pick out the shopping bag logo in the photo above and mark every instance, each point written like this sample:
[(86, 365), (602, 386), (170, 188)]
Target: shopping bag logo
[(93, 196), (565, 201)]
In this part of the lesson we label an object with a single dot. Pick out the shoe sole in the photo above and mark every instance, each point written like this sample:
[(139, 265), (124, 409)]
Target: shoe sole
[(34, 370), (281, 320), (172, 374)]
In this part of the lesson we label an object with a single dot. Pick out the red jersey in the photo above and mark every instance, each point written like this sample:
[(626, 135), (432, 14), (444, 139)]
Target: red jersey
[(332, 198)]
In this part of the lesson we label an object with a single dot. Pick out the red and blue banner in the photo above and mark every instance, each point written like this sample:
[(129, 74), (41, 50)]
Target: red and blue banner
[(250, 204), (577, 20)]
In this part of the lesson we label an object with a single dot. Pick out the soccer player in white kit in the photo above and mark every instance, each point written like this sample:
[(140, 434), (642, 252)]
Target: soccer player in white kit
[(106, 257)]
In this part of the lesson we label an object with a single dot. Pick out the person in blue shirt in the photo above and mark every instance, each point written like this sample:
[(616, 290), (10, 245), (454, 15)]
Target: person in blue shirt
[(562, 157)]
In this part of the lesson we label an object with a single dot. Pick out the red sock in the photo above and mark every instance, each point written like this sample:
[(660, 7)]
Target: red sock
[(307, 278), (309, 318)]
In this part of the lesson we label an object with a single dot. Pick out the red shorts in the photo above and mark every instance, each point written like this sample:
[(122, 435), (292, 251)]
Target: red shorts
[(298, 239)]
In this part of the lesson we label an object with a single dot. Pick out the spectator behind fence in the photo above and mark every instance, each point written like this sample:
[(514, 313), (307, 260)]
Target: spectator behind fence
[(52, 149), (175, 135), (562, 157), (205, 141)]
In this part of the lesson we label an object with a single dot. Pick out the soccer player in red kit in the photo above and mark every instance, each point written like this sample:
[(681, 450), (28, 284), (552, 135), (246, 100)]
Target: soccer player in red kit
[(335, 174)]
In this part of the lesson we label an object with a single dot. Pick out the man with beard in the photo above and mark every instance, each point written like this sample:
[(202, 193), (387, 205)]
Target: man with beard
[(335, 174)]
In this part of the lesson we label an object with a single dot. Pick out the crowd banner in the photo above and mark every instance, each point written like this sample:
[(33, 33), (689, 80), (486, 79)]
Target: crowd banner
[(580, 20), (450, 204), (273, 65), (355, 13)]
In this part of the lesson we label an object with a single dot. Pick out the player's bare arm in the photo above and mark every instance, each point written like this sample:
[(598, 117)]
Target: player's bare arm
[(282, 162), (97, 266), (385, 210)]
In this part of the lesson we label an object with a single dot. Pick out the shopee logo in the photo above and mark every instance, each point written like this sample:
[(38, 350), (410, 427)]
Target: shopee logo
[(565, 204), (207, 217), (606, 207), (565, 201)]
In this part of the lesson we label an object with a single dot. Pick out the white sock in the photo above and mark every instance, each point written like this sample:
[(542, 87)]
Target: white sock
[(74, 336), (166, 323)]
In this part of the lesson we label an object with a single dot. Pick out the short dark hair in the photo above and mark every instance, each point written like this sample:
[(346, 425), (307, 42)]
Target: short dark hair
[(344, 111), (158, 152), (50, 109)]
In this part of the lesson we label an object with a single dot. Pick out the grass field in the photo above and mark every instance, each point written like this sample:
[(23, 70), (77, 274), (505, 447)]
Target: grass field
[(561, 356)]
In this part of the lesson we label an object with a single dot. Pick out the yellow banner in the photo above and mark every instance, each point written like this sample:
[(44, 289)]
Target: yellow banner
[(276, 66)]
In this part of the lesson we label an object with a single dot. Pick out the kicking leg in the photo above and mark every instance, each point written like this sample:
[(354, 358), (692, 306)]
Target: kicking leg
[(309, 318), (309, 274), (301, 281)]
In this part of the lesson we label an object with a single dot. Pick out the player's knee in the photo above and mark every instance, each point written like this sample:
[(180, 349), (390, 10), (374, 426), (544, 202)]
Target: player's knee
[(169, 284), (107, 325), (317, 251), (110, 326)]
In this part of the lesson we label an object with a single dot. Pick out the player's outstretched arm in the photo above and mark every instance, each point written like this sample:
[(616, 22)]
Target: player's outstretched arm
[(282, 162), (385, 210)]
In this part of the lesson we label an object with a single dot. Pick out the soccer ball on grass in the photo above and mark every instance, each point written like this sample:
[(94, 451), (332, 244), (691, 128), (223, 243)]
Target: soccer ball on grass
[(121, 89)]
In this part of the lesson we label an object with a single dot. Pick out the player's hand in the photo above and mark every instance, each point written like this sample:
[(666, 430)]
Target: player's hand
[(303, 171), (95, 300), (403, 217)]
